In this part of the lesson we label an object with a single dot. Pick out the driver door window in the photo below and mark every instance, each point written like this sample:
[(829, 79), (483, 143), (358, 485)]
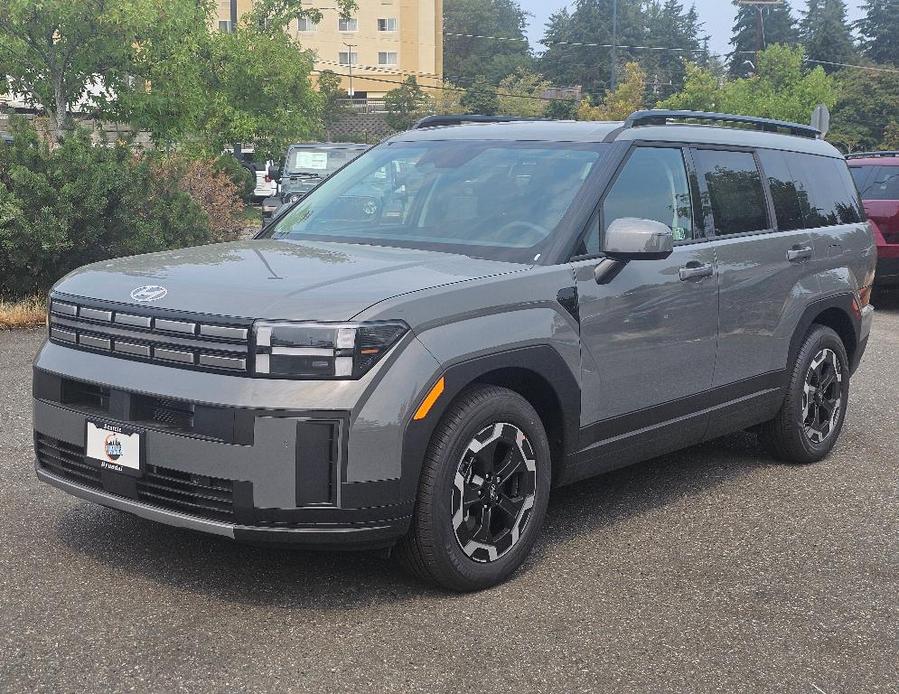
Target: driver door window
[(652, 185)]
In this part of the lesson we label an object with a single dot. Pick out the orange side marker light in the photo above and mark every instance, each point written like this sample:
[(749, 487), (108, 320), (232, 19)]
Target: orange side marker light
[(429, 400)]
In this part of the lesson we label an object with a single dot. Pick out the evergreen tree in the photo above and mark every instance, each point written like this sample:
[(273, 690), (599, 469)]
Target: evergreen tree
[(880, 31), (466, 57), (670, 26), (780, 27), (824, 32)]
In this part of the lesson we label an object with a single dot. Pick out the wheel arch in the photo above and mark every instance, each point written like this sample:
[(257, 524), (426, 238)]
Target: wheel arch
[(537, 373), (839, 313)]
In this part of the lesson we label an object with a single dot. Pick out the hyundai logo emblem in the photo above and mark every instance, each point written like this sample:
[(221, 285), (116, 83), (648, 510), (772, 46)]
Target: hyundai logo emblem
[(151, 292)]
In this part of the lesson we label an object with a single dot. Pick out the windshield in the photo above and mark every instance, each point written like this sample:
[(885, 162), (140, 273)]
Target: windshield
[(497, 200), (877, 182), (319, 162)]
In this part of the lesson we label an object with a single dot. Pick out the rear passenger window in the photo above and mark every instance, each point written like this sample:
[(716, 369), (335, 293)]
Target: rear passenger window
[(653, 185), (735, 191), (879, 183), (787, 206), (826, 190)]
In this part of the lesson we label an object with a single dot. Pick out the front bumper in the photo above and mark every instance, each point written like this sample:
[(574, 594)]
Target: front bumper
[(372, 535)]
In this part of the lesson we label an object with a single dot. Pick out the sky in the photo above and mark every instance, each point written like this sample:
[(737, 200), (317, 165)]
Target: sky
[(718, 16)]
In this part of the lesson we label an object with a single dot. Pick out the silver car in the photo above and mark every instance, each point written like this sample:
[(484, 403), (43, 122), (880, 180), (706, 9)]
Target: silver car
[(468, 315)]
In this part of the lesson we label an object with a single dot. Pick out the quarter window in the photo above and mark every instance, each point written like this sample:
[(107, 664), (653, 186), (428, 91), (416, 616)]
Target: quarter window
[(735, 191), (827, 193), (652, 185)]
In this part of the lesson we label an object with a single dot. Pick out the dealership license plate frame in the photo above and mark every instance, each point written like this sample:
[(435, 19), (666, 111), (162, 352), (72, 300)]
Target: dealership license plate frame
[(100, 438)]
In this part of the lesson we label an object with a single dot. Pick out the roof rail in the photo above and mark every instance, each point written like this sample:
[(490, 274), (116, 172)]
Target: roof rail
[(663, 117), (871, 155), (444, 121)]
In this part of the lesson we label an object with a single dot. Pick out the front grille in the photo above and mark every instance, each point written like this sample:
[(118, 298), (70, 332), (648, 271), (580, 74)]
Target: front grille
[(173, 490), (209, 497), (180, 340), (66, 460)]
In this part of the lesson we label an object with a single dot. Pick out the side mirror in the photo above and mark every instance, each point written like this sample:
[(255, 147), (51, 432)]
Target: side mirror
[(274, 174), (632, 238)]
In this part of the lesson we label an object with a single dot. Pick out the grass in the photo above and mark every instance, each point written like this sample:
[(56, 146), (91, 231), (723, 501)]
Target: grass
[(252, 215), (27, 313)]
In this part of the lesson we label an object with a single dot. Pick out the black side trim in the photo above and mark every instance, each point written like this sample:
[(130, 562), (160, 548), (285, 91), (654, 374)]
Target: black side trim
[(635, 436)]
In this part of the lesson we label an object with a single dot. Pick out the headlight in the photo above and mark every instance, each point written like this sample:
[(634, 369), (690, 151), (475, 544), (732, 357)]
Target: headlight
[(322, 350), (295, 197)]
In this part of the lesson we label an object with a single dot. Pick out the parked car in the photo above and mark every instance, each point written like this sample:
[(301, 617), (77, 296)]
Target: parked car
[(307, 165), (461, 319), (270, 207), (877, 177), (259, 168)]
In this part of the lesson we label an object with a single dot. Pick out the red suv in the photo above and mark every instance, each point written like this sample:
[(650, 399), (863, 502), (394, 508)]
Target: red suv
[(877, 176)]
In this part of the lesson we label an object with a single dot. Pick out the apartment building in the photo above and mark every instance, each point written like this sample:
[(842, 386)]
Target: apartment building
[(374, 50)]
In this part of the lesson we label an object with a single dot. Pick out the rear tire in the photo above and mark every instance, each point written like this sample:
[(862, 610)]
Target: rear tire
[(483, 492), (811, 418)]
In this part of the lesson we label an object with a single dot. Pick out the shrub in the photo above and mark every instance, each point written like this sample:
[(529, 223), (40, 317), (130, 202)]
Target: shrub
[(243, 179), (78, 204), (211, 188)]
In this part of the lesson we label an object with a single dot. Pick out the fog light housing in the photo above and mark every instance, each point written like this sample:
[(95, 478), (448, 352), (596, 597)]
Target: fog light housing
[(322, 350)]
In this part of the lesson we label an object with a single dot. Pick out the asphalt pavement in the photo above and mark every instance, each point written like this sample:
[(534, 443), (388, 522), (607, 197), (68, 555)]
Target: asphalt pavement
[(712, 570)]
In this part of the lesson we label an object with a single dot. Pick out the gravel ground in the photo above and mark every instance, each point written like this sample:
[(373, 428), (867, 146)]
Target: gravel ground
[(712, 570)]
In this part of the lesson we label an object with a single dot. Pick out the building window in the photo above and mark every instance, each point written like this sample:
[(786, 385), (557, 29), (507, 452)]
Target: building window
[(224, 26), (388, 24), (347, 24), (347, 58), (306, 24), (388, 58)]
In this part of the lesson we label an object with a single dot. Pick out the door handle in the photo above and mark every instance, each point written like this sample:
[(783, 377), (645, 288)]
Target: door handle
[(799, 253), (695, 271)]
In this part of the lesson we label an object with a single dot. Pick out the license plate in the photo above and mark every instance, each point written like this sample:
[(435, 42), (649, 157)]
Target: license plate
[(116, 448)]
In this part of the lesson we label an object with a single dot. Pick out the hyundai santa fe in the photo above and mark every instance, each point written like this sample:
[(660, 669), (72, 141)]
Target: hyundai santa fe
[(464, 317)]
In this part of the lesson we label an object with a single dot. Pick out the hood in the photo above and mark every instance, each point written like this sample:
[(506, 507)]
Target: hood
[(276, 279)]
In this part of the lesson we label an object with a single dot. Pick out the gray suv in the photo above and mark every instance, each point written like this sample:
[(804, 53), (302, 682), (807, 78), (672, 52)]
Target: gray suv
[(459, 320)]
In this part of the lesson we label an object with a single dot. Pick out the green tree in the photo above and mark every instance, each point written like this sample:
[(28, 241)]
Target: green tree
[(880, 30), (561, 109), (331, 92), (466, 57), (824, 31), (480, 98), (248, 86), (780, 27), (669, 24), (53, 52), (891, 136), (868, 101), (621, 102), (405, 104), (577, 52), (522, 94), (782, 88)]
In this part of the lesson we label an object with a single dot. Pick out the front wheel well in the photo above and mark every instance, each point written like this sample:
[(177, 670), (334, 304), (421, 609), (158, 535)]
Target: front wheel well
[(543, 398)]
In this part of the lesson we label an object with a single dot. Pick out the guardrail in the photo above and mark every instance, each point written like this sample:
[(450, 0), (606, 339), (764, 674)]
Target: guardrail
[(363, 105)]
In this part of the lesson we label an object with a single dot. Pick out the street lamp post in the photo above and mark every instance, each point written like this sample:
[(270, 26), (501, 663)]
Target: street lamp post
[(350, 47), (759, 5), (613, 82)]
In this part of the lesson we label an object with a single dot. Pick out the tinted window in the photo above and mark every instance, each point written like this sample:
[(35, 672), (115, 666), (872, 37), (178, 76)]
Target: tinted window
[(827, 193), (877, 182), (787, 205), (653, 185), (735, 191)]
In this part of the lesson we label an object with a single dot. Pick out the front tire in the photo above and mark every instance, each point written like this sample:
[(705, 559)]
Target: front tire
[(483, 493), (811, 418)]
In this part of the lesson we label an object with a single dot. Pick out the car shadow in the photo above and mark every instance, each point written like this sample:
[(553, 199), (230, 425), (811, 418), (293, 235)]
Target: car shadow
[(304, 579)]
